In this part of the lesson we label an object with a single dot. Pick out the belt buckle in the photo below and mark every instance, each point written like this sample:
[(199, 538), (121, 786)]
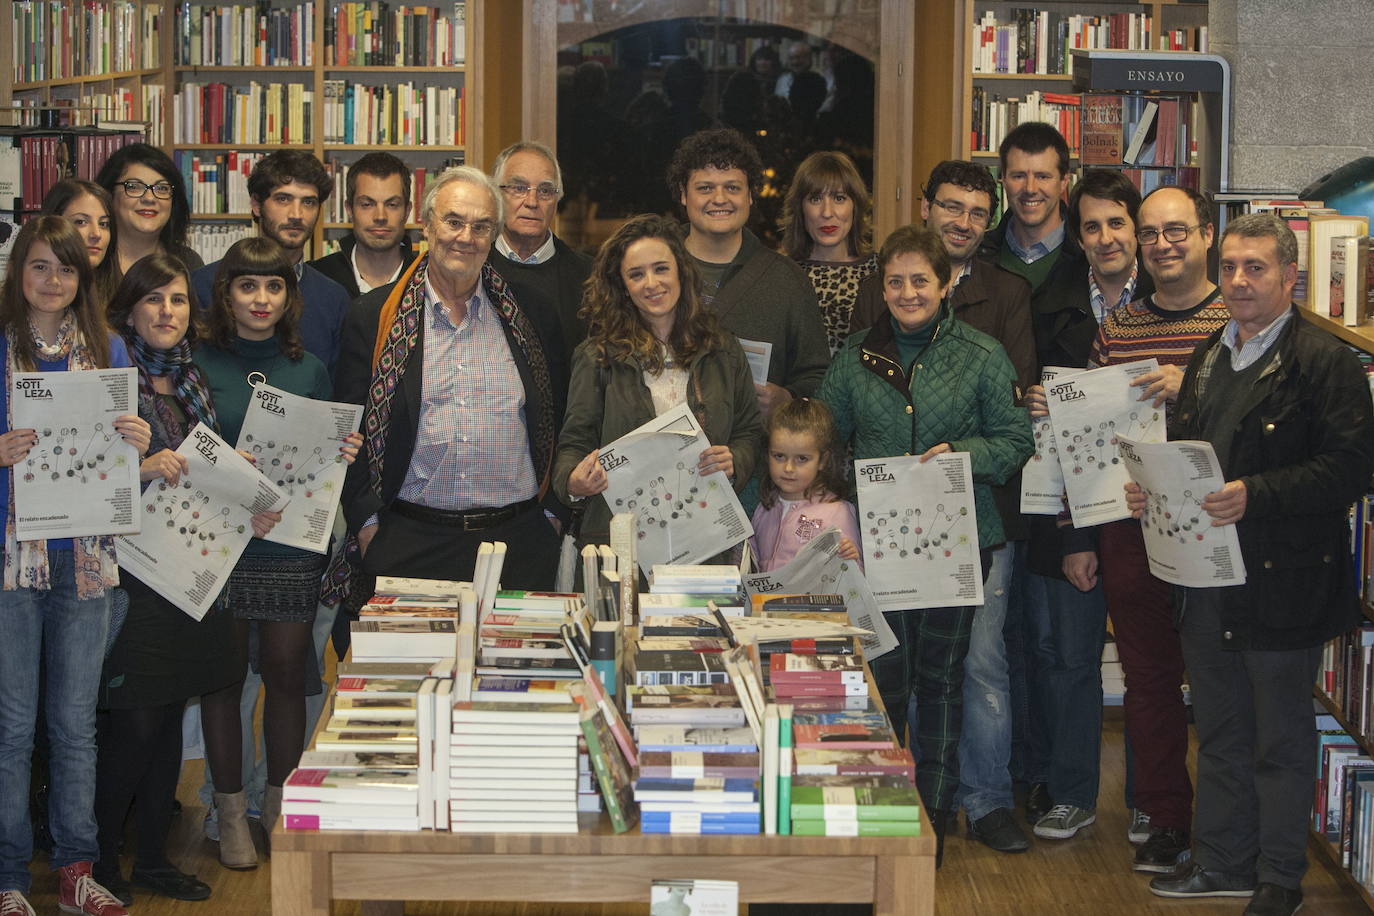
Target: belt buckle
[(471, 523)]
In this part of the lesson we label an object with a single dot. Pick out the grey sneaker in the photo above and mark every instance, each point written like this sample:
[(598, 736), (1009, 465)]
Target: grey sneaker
[(1139, 831), (1062, 822)]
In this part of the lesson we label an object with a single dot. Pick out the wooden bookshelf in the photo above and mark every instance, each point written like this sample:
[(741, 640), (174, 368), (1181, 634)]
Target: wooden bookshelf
[(1328, 851)]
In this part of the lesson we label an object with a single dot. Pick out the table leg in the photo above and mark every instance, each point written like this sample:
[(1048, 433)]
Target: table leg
[(904, 886), (300, 884)]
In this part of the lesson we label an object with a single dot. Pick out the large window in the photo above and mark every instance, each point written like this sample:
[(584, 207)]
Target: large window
[(635, 78)]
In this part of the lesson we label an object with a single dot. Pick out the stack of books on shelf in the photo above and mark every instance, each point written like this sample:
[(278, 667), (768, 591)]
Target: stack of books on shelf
[(1343, 802), (256, 114), (402, 114), (59, 40), (31, 162), (212, 241), (245, 35), (1346, 676), (370, 34), (353, 790), (793, 675), (513, 768), (1039, 41)]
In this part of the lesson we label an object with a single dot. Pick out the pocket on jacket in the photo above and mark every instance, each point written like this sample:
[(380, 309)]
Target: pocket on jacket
[(1295, 576), (1284, 434)]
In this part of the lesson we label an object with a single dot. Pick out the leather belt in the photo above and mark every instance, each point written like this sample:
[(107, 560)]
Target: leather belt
[(466, 519)]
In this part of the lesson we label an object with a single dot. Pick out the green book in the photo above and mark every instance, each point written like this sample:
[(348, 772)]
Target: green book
[(784, 768), (612, 773), (843, 803), (810, 827)]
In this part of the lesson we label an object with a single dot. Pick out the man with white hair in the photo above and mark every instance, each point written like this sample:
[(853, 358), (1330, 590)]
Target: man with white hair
[(459, 418)]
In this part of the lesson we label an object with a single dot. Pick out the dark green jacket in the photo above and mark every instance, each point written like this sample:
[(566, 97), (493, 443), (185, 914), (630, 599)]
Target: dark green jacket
[(605, 403), (961, 390)]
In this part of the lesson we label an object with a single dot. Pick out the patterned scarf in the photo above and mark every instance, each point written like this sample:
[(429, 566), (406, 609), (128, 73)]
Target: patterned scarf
[(188, 387), (401, 317), (26, 562)]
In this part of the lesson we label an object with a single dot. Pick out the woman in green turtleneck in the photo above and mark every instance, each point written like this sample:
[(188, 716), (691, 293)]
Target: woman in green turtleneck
[(920, 382), (253, 339)]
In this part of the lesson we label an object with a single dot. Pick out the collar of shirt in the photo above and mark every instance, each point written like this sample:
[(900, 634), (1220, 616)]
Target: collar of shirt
[(363, 285), (476, 312), (1032, 253), (959, 278), (1098, 299), (545, 251), (1246, 354)]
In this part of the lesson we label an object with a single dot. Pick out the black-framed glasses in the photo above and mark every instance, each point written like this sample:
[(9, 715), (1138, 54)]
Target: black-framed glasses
[(976, 215), (1173, 234), (545, 191), (135, 188)]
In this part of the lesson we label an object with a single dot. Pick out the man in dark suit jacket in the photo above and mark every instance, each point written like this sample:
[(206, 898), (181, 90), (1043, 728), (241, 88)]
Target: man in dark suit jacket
[(377, 200), (459, 422)]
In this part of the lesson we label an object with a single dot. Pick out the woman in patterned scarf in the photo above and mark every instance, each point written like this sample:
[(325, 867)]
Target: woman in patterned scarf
[(55, 602)]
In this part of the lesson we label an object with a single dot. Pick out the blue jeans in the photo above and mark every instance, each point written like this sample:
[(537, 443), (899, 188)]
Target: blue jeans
[(1066, 631), (70, 635), (985, 743)]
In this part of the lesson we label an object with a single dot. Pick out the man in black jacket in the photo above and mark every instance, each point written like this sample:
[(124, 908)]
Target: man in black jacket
[(377, 200), (1287, 409)]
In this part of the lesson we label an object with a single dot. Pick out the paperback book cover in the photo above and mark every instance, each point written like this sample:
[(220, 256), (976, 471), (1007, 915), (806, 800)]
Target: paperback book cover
[(612, 772)]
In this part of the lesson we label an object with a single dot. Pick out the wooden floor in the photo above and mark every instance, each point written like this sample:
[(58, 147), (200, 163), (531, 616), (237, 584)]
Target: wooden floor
[(1087, 875)]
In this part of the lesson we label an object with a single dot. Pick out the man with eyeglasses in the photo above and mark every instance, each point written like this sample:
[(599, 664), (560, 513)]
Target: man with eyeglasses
[(377, 200), (958, 204), (459, 422), (286, 190), (545, 273), (1174, 231)]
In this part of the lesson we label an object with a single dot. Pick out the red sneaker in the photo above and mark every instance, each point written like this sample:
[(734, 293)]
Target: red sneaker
[(78, 892), (12, 903)]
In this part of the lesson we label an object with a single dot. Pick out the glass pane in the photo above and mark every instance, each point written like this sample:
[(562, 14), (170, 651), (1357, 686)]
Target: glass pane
[(635, 78)]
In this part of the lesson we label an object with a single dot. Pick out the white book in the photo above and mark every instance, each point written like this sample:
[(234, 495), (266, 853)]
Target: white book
[(443, 732), (506, 779), (466, 660), (479, 577), (424, 703), (492, 583), (497, 818), (459, 794), (591, 577), (350, 760), (352, 786), (335, 809), (348, 821), (488, 804), (513, 740), (531, 827), (770, 769), (484, 768)]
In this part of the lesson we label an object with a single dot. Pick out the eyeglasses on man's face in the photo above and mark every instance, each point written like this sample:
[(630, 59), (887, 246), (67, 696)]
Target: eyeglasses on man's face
[(545, 191), (954, 210), (1173, 234), (135, 188)]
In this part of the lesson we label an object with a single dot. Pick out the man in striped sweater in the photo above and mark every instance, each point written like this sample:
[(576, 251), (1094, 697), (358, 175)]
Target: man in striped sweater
[(1175, 232)]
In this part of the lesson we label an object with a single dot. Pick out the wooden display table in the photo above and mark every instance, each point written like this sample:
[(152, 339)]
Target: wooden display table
[(312, 869)]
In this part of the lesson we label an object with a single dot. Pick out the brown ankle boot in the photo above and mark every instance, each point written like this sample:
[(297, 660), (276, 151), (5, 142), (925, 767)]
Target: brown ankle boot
[(271, 811), (236, 849)]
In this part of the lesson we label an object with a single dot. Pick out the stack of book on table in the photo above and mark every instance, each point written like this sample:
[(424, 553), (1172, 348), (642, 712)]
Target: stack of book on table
[(408, 620), (513, 768), (829, 810), (690, 589)]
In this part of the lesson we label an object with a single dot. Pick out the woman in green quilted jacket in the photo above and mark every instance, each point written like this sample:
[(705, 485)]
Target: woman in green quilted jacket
[(920, 382)]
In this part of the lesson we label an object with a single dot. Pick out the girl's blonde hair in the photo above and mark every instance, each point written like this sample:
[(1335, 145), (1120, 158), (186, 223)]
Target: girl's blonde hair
[(810, 417)]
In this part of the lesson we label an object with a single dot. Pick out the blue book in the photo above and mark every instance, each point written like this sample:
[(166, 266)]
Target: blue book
[(703, 790), (704, 829)]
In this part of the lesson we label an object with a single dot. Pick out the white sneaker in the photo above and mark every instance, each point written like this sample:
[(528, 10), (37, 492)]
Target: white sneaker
[(1062, 822), (1139, 831)]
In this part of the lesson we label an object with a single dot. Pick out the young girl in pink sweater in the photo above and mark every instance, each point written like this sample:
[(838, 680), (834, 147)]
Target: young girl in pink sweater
[(798, 499)]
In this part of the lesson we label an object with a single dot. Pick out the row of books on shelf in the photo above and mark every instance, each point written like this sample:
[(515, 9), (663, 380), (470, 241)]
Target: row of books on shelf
[(1039, 41), (274, 113), (32, 162), (245, 35), (1346, 676), (1343, 800), (335, 212), (1138, 130), (212, 241), (406, 114), (377, 35), (520, 720), (994, 116), (55, 40), (92, 108)]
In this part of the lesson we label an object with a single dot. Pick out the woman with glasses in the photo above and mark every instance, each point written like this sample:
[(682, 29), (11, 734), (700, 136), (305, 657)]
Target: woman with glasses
[(825, 228), (151, 211)]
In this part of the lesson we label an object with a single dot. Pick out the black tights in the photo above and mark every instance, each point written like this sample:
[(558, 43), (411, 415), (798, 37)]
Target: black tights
[(138, 757), (282, 650)]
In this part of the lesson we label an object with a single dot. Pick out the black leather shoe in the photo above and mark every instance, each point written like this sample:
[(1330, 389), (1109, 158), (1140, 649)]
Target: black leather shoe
[(1273, 900), (1038, 802), (999, 831), (1196, 881), (1162, 852), (169, 882)]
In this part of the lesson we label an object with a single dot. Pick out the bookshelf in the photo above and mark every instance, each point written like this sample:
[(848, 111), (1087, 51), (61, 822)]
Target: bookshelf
[(986, 76), (130, 60), (79, 65)]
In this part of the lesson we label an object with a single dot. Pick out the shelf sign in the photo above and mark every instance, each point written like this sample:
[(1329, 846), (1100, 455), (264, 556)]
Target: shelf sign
[(1147, 73)]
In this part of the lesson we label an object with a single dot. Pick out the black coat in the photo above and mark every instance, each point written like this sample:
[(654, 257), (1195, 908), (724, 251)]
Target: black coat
[(339, 265), (1305, 451)]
